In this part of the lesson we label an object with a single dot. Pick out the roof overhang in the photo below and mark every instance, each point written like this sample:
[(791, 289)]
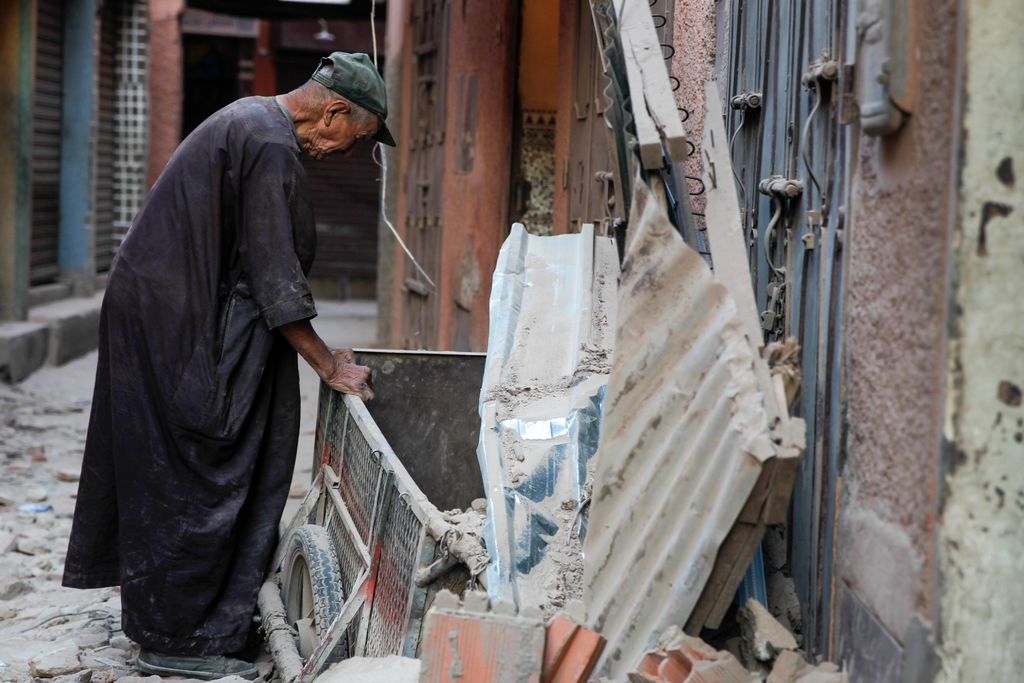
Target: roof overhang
[(293, 9)]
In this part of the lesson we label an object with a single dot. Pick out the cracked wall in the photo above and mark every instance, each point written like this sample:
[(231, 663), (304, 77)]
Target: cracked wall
[(895, 306), (981, 542)]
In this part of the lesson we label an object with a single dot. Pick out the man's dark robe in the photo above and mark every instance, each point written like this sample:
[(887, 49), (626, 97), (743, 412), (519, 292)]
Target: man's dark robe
[(195, 414)]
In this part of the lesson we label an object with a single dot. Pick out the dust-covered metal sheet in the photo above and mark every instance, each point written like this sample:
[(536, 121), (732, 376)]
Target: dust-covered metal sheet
[(548, 359), (684, 437)]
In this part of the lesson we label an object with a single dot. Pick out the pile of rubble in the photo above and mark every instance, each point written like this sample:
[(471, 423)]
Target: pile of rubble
[(47, 632), (476, 639), (766, 652)]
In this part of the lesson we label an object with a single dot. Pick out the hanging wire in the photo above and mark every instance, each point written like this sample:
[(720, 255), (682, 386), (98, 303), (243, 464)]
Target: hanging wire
[(381, 159)]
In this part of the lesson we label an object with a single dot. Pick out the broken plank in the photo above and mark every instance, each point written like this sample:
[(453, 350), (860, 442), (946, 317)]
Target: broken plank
[(642, 47), (734, 557), (722, 215), (647, 136)]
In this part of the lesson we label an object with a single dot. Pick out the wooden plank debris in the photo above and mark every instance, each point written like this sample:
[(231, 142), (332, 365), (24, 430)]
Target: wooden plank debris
[(653, 104)]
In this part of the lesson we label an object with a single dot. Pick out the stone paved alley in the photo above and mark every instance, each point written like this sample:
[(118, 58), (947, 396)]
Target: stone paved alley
[(61, 634)]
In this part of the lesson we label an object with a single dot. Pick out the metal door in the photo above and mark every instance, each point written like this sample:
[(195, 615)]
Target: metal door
[(46, 124), (420, 323), (781, 57), (103, 159)]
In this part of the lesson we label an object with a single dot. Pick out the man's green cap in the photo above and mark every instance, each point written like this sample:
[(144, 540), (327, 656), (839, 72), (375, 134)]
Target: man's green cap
[(353, 76)]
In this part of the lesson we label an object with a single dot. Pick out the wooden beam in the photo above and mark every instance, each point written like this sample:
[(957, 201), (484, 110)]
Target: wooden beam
[(650, 89)]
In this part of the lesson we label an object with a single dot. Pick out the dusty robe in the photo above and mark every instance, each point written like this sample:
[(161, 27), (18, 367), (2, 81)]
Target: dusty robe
[(195, 414)]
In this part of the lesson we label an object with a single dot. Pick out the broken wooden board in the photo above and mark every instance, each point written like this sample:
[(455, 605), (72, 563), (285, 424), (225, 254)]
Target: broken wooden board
[(650, 92), (722, 216), (769, 499)]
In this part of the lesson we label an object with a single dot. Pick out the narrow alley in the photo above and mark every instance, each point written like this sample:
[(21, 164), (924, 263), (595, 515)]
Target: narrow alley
[(646, 341)]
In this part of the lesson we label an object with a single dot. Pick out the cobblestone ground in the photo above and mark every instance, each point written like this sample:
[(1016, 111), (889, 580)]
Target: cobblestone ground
[(51, 633)]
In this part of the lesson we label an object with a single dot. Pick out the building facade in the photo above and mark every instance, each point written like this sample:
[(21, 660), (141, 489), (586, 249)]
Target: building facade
[(905, 523), (77, 117)]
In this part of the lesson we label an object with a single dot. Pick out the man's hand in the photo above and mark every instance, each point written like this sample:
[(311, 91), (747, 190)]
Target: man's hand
[(344, 356), (350, 379), (335, 366)]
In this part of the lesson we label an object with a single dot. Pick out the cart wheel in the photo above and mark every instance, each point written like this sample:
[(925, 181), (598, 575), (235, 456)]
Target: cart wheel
[(311, 586)]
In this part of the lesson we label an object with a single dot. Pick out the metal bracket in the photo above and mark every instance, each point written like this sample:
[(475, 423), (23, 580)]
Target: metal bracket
[(821, 69), (746, 100), (780, 188), (886, 62)]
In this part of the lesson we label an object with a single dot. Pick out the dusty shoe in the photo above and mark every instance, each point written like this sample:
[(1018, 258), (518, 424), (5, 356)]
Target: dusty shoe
[(207, 668)]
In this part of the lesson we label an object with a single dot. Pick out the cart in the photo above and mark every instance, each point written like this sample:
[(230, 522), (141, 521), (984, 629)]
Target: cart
[(359, 563)]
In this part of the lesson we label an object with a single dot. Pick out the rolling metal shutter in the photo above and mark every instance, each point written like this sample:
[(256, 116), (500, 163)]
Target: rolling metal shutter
[(103, 163), (46, 136)]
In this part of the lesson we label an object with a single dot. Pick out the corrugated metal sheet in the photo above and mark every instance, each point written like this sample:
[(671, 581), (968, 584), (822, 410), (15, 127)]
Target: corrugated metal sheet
[(684, 437), (552, 311)]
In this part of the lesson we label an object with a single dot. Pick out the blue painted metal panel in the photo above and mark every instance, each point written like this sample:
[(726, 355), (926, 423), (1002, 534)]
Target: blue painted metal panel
[(772, 45), (74, 255)]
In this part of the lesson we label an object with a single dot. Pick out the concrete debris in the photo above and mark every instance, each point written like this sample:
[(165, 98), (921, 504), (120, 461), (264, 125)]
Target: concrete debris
[(784, 360), (158, 679), (36, 494), (571, 651), (49, 633), (11, 588), (784, 603), (67, 475), (390, 669), (32, 545), (763, 636), (84, 676), (680, 658), (61, 659), (475, 641), (790, 667), (122, 643)]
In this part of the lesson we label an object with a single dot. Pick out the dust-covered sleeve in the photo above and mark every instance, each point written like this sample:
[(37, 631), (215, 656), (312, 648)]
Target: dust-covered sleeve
[(268, 231)]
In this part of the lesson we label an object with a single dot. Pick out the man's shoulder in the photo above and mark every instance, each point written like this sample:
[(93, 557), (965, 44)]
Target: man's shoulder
[(258, 118)]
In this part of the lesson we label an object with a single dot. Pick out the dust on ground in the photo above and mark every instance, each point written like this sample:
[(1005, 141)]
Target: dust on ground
[(67, 635)]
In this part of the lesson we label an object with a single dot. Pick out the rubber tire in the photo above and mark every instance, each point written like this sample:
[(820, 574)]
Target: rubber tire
[(312, 544)]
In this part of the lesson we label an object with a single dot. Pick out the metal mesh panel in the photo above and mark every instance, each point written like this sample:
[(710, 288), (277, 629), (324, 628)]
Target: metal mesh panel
[(360, 475), (322, 415), (399, 545), (345, 548), (131, 114), (335, 447)]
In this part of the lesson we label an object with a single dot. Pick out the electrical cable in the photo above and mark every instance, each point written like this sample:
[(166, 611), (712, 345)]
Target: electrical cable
[(382, 164)]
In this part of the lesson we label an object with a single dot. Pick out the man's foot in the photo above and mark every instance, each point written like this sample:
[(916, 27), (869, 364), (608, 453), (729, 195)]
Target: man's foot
[(207, 668)]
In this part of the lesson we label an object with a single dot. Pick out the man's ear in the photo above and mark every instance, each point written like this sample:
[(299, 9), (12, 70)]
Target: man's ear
[(335, 108)]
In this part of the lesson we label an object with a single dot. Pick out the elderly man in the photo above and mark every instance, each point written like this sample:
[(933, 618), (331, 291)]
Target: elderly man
[(195, 416)]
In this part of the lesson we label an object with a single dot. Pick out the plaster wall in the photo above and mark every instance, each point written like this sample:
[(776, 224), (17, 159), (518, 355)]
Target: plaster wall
[(166, 89), (896, 240), (981, 550)]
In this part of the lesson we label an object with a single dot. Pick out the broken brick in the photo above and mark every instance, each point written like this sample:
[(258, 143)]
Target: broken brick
[(571, 651)]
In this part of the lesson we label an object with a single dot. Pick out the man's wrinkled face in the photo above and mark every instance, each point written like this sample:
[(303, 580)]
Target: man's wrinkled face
[(339, 128)]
